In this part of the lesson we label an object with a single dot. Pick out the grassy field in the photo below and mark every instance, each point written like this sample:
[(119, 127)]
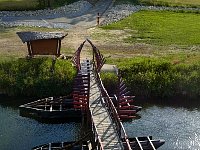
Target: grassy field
[(183, 3), (31, 4), (18, 4), (11, 47), (161, 28), (188, 3)]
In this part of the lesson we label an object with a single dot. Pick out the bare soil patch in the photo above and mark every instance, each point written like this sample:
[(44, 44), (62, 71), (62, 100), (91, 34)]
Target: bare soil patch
[(110, 42)]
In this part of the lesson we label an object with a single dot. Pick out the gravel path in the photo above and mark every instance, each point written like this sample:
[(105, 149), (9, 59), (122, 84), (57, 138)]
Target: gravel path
[(80, 13)]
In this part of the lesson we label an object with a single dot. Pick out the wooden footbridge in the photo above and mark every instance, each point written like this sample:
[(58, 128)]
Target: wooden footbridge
[(90, 95), (101, 114)]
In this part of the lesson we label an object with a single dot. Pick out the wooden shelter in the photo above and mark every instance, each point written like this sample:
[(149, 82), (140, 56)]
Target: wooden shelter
[(42, 43)]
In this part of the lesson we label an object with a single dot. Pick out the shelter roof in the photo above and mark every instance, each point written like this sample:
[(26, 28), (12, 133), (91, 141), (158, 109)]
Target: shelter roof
[(31, 36)]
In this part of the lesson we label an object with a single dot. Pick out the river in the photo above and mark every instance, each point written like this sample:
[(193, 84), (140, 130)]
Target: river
[(179, 127)]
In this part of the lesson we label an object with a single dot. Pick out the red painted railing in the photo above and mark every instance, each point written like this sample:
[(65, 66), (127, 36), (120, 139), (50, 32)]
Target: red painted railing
[(98, 59), (76, 57), (81, 91)]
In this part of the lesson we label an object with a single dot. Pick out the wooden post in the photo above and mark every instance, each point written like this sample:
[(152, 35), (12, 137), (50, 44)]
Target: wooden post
[(118, 90), (98, 19), (29, 49), (58, 48)]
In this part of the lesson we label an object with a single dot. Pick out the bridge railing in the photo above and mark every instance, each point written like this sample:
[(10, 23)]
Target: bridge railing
[(98, 59), (113, 112), (97, 140), (76, 57)]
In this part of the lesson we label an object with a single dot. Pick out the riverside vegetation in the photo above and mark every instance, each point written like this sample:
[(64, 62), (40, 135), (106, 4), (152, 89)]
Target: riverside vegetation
[(163, 77), (36, 77)]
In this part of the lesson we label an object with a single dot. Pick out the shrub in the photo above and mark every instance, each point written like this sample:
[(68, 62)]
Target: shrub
[(36, 77), (110, 82), (153, 77)]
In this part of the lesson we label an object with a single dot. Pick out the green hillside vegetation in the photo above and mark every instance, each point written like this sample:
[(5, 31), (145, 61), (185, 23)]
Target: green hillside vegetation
[(161, 28)]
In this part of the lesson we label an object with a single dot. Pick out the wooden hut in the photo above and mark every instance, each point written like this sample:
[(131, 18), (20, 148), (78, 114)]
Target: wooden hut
[(42, 43)]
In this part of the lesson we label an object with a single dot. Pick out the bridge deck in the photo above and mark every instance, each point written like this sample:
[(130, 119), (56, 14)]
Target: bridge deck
[(105, 128)]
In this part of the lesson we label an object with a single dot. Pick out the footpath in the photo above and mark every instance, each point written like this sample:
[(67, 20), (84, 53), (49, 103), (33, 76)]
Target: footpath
[(80, 13)]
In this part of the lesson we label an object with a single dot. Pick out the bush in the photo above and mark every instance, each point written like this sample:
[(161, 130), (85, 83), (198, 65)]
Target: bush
[(110, 82), (153, 77), (36, 77)]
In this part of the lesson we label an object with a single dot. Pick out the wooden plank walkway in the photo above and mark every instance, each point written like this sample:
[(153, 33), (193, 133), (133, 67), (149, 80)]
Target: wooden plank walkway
[(105, 128)]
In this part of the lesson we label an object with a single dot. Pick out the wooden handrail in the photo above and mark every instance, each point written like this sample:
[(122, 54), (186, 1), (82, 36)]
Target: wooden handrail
[(113, 112), (99, 142)]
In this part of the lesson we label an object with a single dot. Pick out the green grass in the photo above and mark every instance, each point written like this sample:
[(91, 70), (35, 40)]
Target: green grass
[(161, 28), (31, 4), (182, 3), (18, 4)]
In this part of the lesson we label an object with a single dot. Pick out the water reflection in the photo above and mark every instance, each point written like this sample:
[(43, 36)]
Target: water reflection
[(179, 127), (22, 133)]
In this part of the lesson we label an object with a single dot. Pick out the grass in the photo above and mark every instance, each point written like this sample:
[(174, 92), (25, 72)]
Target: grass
[(18, 4), (161, 28), (182, 3), (31, 4), (11, 47)]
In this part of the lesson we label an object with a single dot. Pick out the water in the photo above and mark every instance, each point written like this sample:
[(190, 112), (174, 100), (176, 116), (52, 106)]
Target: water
[(20, 133), (179, 127)]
